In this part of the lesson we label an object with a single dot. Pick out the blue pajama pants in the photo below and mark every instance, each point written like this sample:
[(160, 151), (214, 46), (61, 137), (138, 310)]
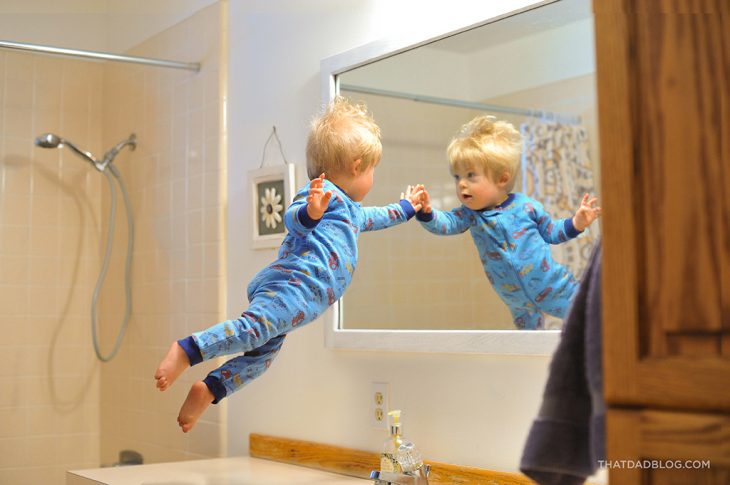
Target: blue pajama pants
[(258, 333), (528, 314)]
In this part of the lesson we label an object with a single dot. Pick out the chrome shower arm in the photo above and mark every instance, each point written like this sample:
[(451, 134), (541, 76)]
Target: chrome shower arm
[(88, 156), (109, 156)]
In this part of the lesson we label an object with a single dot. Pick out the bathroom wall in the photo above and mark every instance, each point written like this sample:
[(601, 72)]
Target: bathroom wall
[(466, 409), (60, 408), (50, 228), (173, 178), (65, 410)]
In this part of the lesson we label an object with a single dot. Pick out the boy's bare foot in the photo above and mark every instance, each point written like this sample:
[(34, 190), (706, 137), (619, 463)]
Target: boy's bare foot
[(172, 365), (198, 400)]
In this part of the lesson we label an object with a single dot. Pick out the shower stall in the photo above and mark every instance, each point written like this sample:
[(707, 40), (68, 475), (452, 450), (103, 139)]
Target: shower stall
[(61, 408)]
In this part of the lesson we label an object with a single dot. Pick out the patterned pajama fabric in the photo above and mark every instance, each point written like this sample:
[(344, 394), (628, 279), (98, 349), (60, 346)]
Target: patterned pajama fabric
[(512, 244), (557, 171), (313, 269)]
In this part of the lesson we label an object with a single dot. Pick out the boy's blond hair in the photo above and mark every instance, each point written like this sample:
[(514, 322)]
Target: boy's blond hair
[(343, 133), (487, 144)]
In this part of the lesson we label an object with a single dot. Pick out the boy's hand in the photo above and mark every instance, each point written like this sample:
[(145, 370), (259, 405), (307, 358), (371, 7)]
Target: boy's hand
[(414, 195), (425, 202), (586, 213), (318, 199)]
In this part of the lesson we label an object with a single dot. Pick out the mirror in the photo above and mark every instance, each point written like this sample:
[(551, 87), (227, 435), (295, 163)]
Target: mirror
[(534, 68)]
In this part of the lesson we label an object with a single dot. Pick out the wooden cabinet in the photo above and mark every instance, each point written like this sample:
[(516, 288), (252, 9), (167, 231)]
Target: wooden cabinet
[(663, 70)]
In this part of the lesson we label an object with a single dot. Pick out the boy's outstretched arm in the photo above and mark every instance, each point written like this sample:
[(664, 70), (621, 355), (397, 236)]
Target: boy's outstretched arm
[(308, 207), (586, 213), (442, 223), (562, 230), (377, 218)]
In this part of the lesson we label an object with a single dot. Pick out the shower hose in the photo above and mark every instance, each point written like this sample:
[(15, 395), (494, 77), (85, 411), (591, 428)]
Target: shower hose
[(112, 171)]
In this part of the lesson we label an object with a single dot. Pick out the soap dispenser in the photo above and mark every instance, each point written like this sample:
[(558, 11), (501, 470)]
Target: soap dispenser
[(388, 458), (399, 455)]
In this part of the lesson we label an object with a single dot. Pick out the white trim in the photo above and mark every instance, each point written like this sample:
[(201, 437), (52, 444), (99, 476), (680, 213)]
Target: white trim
[(503, 342), (518, 342)]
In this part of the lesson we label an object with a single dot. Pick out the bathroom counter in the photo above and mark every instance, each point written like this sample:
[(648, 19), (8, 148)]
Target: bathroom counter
[(243, 470)]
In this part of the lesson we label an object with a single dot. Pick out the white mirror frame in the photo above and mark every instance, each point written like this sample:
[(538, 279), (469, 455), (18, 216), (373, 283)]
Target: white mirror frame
[(542, 342)]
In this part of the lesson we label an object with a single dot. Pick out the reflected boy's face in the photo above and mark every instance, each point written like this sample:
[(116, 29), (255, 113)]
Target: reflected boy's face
[(476, 189), (361, 184)]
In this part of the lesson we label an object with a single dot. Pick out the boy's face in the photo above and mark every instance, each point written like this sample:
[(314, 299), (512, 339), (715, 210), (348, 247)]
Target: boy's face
[(361, 183), (478, 191)]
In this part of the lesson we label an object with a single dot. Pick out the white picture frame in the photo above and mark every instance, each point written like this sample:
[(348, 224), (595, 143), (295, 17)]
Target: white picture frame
[(272, 190)]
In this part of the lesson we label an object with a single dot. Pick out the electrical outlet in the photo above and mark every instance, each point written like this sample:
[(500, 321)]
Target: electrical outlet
[(379, 393)]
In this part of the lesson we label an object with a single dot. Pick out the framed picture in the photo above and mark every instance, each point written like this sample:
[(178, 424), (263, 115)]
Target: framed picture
[(272, 189)]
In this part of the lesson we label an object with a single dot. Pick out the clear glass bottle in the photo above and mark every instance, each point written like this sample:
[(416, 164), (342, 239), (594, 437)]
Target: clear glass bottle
[(408, 457), (388, 458)]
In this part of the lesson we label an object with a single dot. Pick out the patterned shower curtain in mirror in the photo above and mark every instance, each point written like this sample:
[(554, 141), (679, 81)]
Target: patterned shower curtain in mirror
[(557, 171)]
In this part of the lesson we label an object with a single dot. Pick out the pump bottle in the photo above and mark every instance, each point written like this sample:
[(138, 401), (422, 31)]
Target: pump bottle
[(388, 458)]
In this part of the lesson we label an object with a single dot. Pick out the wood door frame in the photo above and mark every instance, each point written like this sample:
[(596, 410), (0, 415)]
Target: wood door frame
[(635, 373)]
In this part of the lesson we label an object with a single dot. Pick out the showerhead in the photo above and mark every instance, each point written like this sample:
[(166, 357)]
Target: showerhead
[(48, 140)]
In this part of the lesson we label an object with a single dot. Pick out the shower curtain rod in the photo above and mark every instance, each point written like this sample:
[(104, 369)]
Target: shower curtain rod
[(462, 104), (44, 49)]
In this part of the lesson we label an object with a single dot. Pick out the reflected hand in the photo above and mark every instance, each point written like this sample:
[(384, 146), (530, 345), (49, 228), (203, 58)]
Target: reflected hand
[(414, 195), (426, 202), (318, 199), (586, 213)]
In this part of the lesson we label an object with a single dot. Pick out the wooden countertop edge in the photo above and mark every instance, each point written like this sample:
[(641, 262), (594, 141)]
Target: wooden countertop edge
[(358, 463)]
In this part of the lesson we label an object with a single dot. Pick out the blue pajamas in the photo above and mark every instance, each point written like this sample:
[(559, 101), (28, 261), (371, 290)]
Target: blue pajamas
[(512, 240), (314, 267)]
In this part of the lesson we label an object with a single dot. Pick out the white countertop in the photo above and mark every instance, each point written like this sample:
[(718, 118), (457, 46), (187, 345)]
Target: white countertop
[(242, 470)]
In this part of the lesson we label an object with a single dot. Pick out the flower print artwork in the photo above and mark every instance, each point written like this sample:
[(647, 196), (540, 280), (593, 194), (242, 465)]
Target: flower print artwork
[(271, 208), (271, 192)]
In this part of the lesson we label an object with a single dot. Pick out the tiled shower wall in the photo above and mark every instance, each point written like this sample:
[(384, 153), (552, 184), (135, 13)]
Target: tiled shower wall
[(60, 408), (173, 178), (49, 258)]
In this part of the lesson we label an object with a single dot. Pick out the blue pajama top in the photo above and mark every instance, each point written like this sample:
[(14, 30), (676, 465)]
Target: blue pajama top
[(317, 258), (512, 243), (314, 267)]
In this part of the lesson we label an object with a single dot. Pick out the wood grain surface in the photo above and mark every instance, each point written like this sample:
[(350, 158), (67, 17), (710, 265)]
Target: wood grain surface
[(357, 463)]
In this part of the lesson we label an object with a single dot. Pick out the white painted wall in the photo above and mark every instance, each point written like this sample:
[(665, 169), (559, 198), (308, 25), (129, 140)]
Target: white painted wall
[(465, 409), (69, 23), (101, 25), (130, 22)]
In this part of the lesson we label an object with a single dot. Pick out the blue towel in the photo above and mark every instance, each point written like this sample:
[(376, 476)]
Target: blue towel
[(568, 437)]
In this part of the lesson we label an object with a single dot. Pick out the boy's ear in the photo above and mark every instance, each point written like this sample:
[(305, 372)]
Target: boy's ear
[(356, 166), (503, 179)]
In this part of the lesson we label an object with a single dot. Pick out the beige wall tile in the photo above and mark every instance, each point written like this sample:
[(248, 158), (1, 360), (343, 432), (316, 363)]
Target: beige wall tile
[(14, 239), (18, 66), (64, 409), (167, 187)]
